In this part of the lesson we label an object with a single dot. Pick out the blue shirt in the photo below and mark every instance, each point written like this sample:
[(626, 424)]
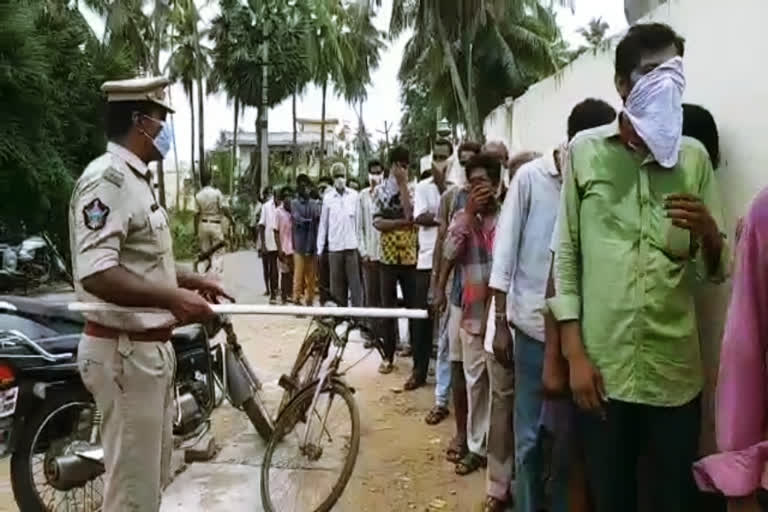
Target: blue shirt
[(306, 218)]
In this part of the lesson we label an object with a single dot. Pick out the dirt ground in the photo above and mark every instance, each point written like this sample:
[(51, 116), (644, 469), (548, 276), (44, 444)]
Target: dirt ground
[(401, 465)]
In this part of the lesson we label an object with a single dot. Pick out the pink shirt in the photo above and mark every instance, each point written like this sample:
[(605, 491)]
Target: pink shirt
[(285, 230), (741, 417)]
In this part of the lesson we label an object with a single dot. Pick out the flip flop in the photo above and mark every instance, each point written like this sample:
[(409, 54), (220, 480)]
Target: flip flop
[(436, 415), (413, 383), (456, 451), (494, 505), (470, 463)]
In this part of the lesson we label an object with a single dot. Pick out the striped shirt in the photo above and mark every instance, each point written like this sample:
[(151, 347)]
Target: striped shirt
[(470, 244)]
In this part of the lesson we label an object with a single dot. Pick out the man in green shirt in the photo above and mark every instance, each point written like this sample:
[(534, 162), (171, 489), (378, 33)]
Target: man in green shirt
[(640, 218)]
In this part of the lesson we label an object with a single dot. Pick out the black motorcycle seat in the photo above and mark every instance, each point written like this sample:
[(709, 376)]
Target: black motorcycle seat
[(188, 334)]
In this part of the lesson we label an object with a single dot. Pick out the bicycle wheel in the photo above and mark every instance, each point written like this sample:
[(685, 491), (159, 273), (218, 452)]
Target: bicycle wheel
[(306, 368), (299, 476)]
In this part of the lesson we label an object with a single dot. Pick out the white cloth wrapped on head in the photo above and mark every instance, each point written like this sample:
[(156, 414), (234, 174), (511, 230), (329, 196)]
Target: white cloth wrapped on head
[(655, 109)]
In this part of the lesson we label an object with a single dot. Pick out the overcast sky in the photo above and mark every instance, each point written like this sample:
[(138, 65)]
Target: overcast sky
[(383, 102)]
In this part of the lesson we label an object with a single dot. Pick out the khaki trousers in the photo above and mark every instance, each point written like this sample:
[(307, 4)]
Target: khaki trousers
[(303, 278), (208, 235), (132, 383), (478, 393)]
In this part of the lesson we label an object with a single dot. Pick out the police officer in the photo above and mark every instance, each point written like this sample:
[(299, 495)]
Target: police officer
[(122, 254), (211, 211)]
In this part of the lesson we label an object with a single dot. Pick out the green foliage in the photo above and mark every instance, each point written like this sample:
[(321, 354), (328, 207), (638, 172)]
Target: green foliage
[(220, 163), (52, 110), (472, 54), (595, 31), (238, 34), (183, 232), (418, 126)]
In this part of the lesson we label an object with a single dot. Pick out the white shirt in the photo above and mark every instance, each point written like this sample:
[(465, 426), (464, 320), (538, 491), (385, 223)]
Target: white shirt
[(368, 237), (521, 257), (426, 200), (337, 221), (268, 219)]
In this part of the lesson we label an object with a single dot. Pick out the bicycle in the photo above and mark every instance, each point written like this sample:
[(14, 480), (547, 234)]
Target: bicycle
[(310, 392)]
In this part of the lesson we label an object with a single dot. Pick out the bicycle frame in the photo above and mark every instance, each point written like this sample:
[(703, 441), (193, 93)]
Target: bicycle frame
[(330, 372)]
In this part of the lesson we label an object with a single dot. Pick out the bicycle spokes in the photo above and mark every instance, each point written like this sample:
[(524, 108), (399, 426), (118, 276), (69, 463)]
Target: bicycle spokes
[(310, 464)]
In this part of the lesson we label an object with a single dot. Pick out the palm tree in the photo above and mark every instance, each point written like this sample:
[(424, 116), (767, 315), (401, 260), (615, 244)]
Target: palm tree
[(182, 69), (594, 32), (343, 51), (144, 35), (189, 64), (451, 33), (239, 33)]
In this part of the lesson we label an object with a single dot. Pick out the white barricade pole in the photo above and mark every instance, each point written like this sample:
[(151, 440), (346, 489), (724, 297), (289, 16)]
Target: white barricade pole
[(260, 309)]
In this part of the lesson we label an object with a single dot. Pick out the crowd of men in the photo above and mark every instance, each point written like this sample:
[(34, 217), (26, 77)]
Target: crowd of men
[(638, 206), (560, 284)]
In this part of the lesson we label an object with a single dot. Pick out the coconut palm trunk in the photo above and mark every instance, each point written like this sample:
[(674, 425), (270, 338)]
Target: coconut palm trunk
[(322, 127), (195, 176), (233, 176), (474, 130), (295, 137)]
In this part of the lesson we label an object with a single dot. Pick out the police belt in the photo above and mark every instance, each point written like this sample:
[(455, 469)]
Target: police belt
[(102, 331), (212, 221)]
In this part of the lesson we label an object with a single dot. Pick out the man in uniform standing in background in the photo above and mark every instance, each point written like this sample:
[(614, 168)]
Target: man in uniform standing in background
[(122, 254), (211, 209)]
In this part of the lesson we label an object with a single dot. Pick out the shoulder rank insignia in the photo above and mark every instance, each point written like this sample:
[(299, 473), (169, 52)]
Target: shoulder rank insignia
[(95, 214), (114, 176)]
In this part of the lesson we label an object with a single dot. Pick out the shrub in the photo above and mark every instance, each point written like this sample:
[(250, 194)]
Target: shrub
[(183, 232)]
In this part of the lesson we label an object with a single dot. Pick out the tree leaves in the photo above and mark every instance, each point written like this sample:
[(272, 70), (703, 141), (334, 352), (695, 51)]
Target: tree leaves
[(510, 43), (51, 68)]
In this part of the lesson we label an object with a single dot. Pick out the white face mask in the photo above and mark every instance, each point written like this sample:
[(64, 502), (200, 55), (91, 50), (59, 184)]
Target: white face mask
[(340, 183), (164, 138), (655, 109)]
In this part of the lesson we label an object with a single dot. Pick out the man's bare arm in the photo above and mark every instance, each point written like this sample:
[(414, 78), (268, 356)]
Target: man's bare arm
[(555, 371), (386, 225), (405, 199), (117, 285), (427, 220)]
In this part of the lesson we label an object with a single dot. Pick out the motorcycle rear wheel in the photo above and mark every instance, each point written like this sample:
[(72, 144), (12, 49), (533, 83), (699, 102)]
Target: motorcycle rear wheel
[(28, 493)]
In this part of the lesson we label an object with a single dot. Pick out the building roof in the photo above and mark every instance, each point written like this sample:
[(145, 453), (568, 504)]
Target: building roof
[(307, 120), (274, 138)]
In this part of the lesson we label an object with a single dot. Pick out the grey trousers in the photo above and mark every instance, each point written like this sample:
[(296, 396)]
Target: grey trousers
[(345, 277), (501, 441), (372, 279), (132, 383)]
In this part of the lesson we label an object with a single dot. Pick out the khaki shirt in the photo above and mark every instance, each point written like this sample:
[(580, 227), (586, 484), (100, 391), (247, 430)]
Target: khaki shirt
[(114, 220), (210, 202)]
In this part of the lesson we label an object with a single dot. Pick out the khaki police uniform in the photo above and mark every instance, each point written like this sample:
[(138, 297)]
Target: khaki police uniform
[(125, 359), (210, 205)]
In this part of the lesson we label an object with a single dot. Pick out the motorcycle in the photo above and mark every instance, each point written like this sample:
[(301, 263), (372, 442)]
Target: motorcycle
[(34, 262), (49, 424)]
